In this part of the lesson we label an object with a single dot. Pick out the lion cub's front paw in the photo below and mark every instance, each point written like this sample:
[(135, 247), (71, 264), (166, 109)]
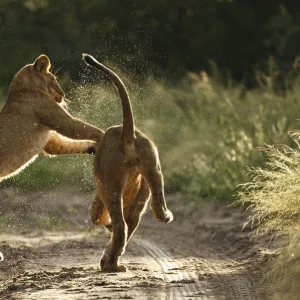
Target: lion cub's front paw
[(91, 150)]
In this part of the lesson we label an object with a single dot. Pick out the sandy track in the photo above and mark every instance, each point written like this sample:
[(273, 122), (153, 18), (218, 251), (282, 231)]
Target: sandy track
[(205, 256)]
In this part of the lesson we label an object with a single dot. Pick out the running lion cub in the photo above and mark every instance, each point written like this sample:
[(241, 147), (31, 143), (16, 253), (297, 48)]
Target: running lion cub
[(33, 119), (127, 170)]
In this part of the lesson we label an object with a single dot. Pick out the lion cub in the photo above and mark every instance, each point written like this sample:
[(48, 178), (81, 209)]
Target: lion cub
[(33, 119), (127, 169)]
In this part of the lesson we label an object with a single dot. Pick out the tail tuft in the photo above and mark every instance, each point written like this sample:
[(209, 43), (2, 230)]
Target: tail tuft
[(89, 60)]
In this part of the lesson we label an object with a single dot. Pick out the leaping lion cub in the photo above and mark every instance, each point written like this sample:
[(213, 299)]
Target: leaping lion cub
[(33, 120), (127, 169)]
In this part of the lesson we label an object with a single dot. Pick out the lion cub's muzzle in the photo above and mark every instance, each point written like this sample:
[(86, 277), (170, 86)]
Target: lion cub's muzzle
[(58, 93)]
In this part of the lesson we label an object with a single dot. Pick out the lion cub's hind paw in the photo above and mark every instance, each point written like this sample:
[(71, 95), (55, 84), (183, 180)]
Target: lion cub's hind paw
[(122, 268), (167, 217), (113, 269), (110, 265)]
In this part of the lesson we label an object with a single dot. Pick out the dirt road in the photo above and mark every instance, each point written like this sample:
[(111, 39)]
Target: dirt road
[(203, 254)]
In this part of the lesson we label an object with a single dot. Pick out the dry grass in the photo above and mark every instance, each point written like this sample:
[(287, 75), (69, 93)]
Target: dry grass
[(274, 191), (284, 275), (274, 196)]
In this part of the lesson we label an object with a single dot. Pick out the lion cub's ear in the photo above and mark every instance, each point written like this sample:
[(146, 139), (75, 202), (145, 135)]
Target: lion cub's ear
[(42, 63)]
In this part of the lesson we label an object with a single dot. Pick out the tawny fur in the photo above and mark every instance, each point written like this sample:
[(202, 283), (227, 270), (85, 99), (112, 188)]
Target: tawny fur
[(33, 120), (127, 172)]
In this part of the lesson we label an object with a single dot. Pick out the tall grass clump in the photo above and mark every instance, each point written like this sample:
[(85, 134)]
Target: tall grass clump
[(273, 194), (284, 275), (274, 190)]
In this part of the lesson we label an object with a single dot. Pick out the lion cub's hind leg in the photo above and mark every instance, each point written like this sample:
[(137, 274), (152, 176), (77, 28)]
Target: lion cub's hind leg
[(154, 178), (99, 213), (116, 246), (134, 213)]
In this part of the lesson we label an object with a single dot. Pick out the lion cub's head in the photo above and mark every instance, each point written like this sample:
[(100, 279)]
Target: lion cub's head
[(36, 77)]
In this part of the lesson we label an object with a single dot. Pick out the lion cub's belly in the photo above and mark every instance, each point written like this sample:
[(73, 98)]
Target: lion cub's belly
[(18, 147)]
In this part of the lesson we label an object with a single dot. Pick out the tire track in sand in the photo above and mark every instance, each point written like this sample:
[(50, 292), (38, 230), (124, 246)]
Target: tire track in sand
[(182, 282)]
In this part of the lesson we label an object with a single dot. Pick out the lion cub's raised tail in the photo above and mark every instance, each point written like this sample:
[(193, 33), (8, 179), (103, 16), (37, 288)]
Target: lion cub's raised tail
[(128, 135)]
